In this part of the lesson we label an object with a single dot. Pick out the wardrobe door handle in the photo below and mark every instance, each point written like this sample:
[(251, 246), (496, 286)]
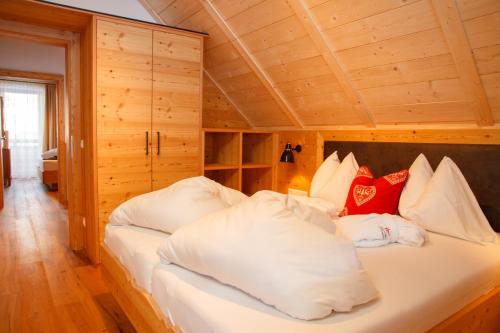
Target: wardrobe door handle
[(147, 143), (158, 136)]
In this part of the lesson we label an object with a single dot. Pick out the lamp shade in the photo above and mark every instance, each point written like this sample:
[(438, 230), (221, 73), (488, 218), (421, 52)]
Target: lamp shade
[(287, 155)]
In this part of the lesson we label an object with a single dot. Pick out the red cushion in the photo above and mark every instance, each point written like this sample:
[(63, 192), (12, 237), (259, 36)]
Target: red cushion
[(369, 195)]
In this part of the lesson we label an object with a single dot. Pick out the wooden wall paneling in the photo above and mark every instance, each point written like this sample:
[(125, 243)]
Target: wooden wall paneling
[(475, 8), (418, 70), (219, 111), (491, 84), (412, 93), (487, 59), (336, 13), (124, 98), (298, 175), (326, 50), (401, 21), (483, 31), (450, 136), (414, 46), (249, 60), (177, 73), (454, 33), (440, 112)]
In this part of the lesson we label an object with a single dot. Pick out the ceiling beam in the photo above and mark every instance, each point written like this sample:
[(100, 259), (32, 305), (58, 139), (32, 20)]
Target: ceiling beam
[(456, 38), (228, 98), (326, 50), (252, 63)]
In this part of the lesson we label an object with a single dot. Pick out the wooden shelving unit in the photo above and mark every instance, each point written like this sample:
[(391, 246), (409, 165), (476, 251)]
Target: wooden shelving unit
[(245, 160)]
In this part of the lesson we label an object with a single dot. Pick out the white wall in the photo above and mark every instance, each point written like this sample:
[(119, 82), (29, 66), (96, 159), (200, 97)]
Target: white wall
[(28, 56), (126, 8)]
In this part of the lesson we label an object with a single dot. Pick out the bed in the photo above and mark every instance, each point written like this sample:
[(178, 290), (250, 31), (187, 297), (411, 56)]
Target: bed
[(446, 286), (48, 169), (440, 279)]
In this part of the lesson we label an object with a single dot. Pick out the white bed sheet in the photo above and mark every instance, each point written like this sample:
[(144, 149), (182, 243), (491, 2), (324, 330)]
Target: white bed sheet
[(419, 288), (135, 248)]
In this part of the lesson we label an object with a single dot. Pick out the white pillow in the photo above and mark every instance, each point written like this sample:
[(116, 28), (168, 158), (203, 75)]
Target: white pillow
[(449, 207), (261, 247), (178, 204), (337, 188), (325, 171), (420, 174)]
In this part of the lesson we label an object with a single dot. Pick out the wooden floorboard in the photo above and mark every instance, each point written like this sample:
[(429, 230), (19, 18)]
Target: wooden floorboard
[(44, 286)]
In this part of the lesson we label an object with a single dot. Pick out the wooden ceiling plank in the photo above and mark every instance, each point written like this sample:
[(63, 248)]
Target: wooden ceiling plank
[(326, 50), (456, 38), (247, 57), (228, 98)]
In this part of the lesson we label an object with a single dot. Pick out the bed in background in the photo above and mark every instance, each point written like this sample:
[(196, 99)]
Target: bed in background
[(49, 169), (204, 299)]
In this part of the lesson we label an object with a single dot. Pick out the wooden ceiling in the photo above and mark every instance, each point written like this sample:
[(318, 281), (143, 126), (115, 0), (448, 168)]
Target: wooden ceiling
[(315, 63)]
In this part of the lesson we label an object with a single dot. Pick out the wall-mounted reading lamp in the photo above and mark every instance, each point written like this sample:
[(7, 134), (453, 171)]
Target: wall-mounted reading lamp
[(287, 155)]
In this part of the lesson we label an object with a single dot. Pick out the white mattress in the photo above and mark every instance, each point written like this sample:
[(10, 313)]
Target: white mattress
[(135, 248), (419, 287)]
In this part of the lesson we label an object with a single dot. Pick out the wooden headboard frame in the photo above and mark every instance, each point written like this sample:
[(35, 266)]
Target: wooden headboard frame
[(479, 162)]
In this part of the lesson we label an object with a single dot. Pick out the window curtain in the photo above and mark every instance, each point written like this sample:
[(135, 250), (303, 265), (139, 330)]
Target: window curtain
[(24, 112), (50, 128)]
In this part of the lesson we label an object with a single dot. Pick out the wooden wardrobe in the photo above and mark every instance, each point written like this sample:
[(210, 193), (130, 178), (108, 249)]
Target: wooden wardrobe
[(148, 86)]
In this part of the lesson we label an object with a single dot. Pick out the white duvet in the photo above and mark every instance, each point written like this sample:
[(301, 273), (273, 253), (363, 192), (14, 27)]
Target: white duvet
[(274, 249), (176, 205)]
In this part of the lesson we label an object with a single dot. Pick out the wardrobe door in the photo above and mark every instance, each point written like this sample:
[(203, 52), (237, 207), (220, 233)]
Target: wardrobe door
[(124, 89), (176, 107)]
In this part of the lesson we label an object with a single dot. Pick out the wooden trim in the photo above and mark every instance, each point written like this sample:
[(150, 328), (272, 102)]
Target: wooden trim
[(464, 136), (326, 50), (251, 62), (139, 306), (58, 80), (228, 98), (456, 38)]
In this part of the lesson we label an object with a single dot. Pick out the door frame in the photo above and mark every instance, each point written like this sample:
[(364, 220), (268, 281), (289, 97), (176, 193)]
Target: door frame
[(58, 81), (27, 28)]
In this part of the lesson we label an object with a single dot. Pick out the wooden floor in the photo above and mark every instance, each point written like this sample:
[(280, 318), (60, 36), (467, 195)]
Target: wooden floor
[(44, 286)]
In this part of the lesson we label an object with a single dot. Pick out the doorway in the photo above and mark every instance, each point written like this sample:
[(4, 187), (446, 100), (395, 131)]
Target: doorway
[(32, 129)]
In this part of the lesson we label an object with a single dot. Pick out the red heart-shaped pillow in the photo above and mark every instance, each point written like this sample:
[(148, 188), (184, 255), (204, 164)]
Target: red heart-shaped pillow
[(375, 195)]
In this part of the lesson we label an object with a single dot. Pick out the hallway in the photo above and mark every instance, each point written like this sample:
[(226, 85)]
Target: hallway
[(44, 286)]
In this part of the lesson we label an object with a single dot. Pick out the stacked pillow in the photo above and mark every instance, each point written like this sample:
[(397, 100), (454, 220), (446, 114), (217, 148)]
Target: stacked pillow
[(336, 186), (443, 202)]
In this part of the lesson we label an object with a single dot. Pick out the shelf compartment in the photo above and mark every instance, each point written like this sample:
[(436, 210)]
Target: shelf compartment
[(256, 179), (222, 148), (226, 177), (257, 148)]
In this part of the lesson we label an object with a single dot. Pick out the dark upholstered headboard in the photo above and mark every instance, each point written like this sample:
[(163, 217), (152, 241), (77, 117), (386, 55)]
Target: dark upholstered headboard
[(480, 165)]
